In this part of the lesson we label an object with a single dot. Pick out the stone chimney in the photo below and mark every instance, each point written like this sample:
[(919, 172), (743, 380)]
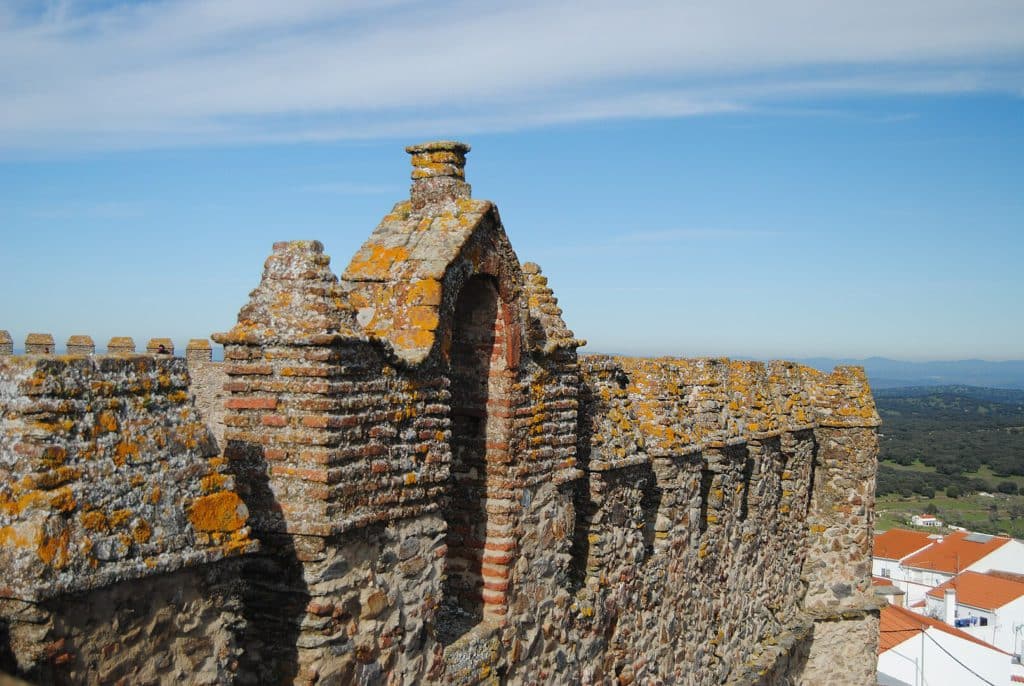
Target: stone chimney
[(438, 173), (6, 343), (949, 606)]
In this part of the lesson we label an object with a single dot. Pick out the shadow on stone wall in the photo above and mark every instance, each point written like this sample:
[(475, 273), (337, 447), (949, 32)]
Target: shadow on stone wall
[(583, 504), (274, 592), (8, 663)]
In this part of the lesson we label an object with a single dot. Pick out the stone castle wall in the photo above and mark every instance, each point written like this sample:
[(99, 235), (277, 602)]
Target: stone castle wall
[(441, 488)]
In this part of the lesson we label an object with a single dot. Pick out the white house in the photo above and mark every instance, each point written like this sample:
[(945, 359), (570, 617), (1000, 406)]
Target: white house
[(894, 545), (925, 520), (987, 606), (914, 650), (954, 553)]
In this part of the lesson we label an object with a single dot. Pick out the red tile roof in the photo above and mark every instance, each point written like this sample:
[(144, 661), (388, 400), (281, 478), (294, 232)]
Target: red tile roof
[(895, 544), (954, 553), (898, 625), (983, 591)]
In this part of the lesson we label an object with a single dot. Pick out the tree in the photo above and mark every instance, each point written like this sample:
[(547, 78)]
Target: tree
[(954, 491), (931, 509), (1007, 487)]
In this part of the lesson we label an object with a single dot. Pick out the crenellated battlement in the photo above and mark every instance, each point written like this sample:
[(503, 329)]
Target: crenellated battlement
[(198, 349), (408, 474)]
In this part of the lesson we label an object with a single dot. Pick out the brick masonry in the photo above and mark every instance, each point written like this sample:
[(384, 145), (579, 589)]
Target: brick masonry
[(442, 489)]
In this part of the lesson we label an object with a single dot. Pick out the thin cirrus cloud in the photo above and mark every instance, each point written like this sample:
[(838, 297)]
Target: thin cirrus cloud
[(83, 74)]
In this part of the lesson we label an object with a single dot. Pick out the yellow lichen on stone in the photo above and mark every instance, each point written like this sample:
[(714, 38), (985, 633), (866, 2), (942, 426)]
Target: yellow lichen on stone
[(106, 422), (63, 499), (376, 262), (119, 517), (141, 532), (223, 511), (212, 482), (53, 550), (94, 520)]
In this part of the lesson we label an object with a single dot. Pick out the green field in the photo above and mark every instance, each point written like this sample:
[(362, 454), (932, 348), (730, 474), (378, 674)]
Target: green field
[(997, 514)]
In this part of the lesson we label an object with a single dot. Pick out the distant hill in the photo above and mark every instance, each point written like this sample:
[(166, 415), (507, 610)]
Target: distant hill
[(885, 373), (954, 429), (1005, 396)]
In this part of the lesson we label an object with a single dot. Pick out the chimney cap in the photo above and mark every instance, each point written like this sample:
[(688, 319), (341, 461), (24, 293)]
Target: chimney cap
[(438, 174), (438, 146)]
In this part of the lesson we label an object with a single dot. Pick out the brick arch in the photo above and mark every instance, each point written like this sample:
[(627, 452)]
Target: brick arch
[(482, 365)]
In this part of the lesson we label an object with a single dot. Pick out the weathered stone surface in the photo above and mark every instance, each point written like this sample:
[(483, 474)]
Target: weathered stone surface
[(102, 458), (444, 491)]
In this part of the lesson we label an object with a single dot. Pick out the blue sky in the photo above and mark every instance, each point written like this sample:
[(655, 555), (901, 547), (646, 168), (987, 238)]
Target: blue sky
[(778, 179)]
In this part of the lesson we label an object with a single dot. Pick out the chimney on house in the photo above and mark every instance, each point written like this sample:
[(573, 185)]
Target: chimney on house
[(438, 173), (949, 606)]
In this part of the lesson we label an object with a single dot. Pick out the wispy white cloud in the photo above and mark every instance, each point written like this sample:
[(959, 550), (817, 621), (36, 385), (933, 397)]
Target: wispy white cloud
[(168, 73)]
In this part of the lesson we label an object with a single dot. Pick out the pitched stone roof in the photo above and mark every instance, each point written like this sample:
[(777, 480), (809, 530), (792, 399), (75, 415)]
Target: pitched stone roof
[(297, 299), (394, 282)]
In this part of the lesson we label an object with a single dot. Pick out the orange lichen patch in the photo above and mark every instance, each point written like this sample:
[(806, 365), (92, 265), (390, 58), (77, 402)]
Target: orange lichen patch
[(212, 482), (141, 532), (63, 499), (53, 550), (11, 536), (106, 422), (223, 511), (374, 262), (125, 451), (424, 292), (94, 520), (119, 517), (154, 495), (16, 505), (282, 299), (414, 338), (422, 317), (177, 397)]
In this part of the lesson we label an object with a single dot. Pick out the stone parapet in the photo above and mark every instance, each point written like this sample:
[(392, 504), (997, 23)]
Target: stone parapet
[(119, 345), (199, 350), (81, 345), (39, 344), (108, 475), (160, 346)]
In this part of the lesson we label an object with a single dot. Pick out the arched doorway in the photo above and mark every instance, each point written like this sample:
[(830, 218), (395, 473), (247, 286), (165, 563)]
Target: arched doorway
[(479, 550)]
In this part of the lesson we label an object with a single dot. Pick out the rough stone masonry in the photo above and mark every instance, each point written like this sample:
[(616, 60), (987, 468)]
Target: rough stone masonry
[(409, 475)]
